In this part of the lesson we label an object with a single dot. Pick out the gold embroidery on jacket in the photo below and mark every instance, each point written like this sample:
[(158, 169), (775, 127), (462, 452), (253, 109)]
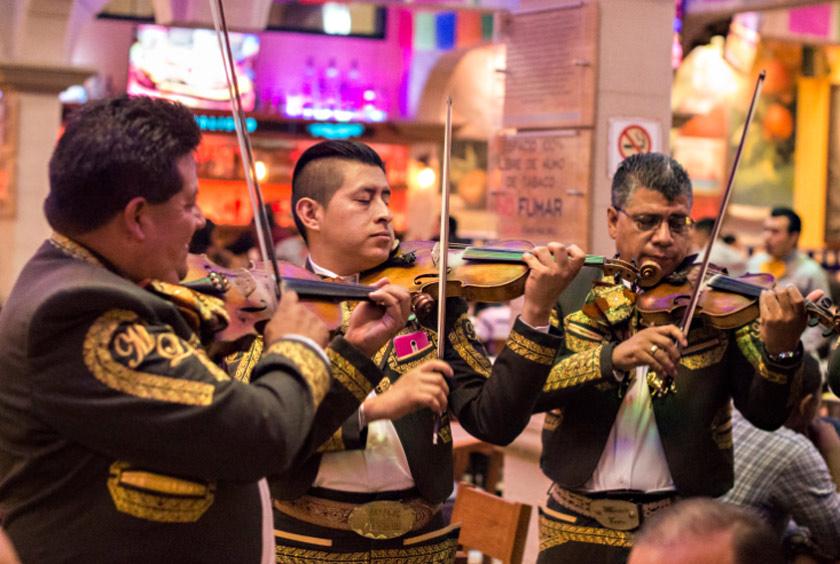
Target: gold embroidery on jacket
[(209, 309), (73, 249), (384, 385), (439, 553), (334, 444), (246, 361), (554, 533), (131, 345), (612, 302), (349, 376), (445, 433), (157, 497), (554, 319), (747, 338), (530, 350), (463, 338), (704, 354), (574, 370), (580, 327), (722, 427), (311, 366)]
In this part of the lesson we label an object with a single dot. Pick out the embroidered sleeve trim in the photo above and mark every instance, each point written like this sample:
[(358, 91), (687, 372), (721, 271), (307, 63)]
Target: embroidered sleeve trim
[(118, 342), (311, 367), (575, 370), (334, 444), (349, 376), (462, 338), (554, 319), (747, 338), (530, 350), (246, 361)]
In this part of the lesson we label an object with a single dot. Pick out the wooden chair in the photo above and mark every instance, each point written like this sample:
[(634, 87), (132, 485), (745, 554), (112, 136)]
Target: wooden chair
[(463, 445), (494, 526)]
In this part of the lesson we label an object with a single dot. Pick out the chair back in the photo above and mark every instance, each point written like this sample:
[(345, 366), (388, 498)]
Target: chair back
[(494, 526)]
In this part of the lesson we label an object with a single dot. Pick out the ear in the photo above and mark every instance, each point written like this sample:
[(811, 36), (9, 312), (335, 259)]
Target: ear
[(612, 222), (134, 218), (805, 402), (310, 213)]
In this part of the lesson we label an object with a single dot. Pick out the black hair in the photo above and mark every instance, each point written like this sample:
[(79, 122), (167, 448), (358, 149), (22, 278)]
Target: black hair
[(316, 176), (653, 171), (114, 150), (794, 222)]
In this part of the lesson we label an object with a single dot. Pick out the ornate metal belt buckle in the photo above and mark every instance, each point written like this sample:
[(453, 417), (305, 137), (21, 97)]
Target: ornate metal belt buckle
[(615, 513), (382, 519)]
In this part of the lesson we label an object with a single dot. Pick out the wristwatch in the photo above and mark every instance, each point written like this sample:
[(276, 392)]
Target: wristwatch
[(785, 356)]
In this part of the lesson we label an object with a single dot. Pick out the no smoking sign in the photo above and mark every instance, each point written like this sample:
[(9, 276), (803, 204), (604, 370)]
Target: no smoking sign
[(631, 136), (632, 140)]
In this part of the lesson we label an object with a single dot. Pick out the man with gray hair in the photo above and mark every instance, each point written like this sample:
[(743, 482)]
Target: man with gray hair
[(705, 531), (640, 415)]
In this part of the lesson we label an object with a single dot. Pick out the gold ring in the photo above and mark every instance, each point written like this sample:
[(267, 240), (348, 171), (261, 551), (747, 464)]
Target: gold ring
[(653, 349)]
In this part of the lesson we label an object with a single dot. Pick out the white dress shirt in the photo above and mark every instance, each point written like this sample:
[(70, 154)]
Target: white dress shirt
[(381, 466)]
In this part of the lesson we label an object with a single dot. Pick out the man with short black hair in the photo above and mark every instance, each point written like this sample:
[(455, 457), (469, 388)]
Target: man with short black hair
[(374, 490), (120, 439), (782, 259)]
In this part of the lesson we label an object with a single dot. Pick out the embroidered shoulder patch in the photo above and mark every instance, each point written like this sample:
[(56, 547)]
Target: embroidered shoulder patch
[(118, 343)]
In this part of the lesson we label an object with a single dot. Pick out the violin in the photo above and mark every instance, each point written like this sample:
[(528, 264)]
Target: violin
[(495, 273), (725, 303), (247, 293)]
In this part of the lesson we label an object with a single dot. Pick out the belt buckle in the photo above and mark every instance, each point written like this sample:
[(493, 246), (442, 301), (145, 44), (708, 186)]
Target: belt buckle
[(382, 520), (615, 513)]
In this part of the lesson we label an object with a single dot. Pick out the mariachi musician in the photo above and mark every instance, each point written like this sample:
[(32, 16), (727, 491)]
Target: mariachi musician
[(120, 440), (376, 485), (639, 416)]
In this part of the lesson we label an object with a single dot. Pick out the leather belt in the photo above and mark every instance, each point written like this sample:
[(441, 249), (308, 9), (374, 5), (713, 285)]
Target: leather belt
[(618, 514), (382, 519)]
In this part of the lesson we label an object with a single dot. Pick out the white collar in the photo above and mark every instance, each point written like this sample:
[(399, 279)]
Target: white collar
[(352, 278)]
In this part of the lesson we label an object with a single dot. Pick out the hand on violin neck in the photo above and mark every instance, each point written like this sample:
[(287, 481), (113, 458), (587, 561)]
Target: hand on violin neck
[(293, 318), (783, 318), (422, 387), (656, 347), (552, 268), (374, 323)]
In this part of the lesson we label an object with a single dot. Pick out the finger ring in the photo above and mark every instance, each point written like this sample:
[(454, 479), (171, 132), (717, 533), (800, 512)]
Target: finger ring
[(653, 349)]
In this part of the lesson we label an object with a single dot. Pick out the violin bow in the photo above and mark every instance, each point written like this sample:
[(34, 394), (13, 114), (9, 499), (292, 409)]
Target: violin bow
[(704, 265), (260, 217), (443, 247)]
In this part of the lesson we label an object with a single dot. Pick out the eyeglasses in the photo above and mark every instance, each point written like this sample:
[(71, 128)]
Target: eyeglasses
[(679, 224)]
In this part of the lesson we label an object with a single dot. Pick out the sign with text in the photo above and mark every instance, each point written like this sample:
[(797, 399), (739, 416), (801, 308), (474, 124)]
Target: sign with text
[(551, 67), (539, 185)]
